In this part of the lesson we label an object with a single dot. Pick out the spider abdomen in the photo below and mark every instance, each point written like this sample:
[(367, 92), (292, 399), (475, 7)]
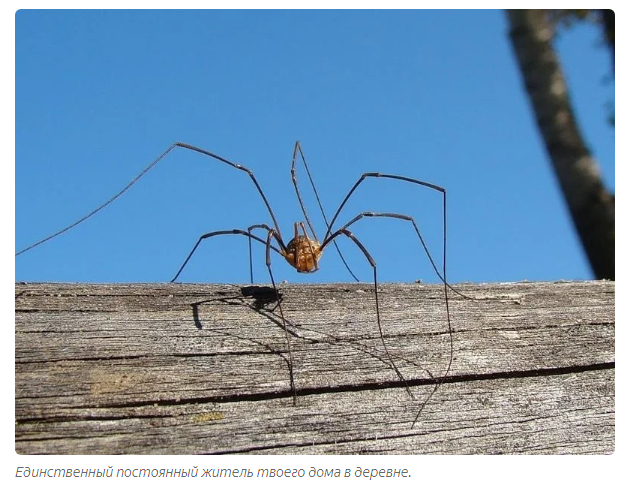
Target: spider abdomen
[(303, 253)]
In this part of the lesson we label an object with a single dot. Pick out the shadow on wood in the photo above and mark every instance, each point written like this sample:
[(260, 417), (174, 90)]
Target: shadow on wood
[(186, 369)]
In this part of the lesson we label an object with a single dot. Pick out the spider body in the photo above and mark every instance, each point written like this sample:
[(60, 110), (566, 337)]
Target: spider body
[(302, 252)]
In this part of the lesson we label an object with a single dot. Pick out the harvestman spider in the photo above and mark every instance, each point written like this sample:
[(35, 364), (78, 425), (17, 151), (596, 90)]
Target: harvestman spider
[(304, 250)]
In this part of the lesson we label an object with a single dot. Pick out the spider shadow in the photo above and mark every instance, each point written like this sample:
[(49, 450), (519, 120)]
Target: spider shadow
[(263, 300), (260, 298)]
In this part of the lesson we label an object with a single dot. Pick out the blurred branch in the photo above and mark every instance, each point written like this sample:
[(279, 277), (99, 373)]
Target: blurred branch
[(607, 17), (590, 204)]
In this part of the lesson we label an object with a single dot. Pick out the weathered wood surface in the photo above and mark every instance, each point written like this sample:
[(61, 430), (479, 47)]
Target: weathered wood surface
[(181, 368)]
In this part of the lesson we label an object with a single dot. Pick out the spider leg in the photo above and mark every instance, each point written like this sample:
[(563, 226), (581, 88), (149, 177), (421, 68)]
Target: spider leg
[(298, 149), (404, 179), (268, 243), (271, 234), (218, 233), (267, 228), (445, 283), (377, 302), (175, 145), (394, 177), (419, 236)]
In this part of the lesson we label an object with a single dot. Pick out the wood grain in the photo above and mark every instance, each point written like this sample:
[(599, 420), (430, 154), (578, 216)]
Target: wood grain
[(186, 369)]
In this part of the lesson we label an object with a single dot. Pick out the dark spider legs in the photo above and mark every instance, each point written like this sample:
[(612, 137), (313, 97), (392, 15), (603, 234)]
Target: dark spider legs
[(442, 277), (272, 233)]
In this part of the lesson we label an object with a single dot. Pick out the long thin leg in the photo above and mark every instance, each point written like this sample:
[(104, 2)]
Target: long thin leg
[(394, 177), (445, 284), (377, 301), (447, 371), (267, 228), (405, 179), (416, 228), (271, 234), (147, 169), (298, 149), (268, 242), (218, 233)]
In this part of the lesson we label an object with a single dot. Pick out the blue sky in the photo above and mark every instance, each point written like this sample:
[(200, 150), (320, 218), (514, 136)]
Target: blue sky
[(432, 95)]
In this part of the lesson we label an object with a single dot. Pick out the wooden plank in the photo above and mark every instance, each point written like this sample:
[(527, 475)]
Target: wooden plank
[(179, 368)]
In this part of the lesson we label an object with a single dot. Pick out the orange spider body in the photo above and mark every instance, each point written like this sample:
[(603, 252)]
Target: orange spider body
[(302, 252)]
